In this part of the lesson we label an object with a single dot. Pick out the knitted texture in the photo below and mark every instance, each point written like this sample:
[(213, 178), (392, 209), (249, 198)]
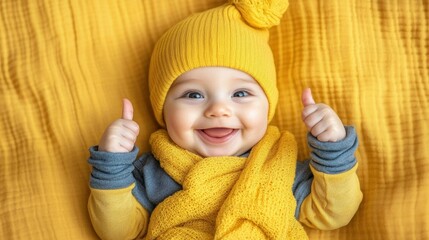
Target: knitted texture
[(228, 197), (261, 14), (233, 35)]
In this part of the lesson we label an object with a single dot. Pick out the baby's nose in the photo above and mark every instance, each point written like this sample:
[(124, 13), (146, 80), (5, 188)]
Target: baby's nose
[(218, 108)]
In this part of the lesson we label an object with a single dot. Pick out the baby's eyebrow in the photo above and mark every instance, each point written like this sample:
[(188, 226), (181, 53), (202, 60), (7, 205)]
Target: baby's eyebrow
[(249, 80), (183, 81)]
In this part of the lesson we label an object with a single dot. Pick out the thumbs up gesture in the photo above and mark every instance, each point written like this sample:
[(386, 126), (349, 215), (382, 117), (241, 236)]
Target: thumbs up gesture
[(321, 120), (121, 135)]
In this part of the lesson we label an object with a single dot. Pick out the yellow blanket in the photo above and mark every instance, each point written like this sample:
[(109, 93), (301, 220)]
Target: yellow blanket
[(228, 197), (66, 65)]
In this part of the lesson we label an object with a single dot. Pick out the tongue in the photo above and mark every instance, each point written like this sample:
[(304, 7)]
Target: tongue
[(218, 132)]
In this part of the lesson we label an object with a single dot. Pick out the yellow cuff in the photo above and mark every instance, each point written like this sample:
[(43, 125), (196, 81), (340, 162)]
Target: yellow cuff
[(333, 201), (116, 214)]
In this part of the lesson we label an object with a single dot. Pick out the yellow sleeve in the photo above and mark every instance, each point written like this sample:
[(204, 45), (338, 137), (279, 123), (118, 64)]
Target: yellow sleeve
[(333, 201), (116, 214)]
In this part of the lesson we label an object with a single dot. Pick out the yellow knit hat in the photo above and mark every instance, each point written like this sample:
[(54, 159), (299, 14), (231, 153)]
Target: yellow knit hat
[(234, 35)]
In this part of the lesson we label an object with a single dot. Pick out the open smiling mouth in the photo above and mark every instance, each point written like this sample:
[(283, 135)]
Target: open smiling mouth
[(217, 135)]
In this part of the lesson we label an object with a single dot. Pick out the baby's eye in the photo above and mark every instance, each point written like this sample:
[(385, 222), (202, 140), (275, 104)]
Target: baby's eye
[(240, 94), (195, 95)]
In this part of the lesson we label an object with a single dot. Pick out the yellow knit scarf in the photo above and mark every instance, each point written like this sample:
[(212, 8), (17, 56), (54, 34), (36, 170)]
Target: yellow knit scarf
[(228, 197)]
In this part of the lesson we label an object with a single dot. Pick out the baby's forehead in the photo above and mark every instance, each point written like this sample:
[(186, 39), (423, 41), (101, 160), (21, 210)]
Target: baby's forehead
[(215, 73)]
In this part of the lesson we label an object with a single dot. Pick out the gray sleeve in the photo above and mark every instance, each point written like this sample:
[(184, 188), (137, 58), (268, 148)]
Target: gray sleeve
[(120, 170), (302, 185), (334, 157), (153, 184), (111, 170), (327, 157)]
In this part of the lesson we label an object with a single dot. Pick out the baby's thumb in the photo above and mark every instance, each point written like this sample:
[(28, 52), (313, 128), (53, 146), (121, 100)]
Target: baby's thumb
[(307, 97), (127, 109)]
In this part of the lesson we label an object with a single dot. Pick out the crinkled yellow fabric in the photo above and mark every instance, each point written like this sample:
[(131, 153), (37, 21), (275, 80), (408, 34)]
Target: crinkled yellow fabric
[(65, 65)]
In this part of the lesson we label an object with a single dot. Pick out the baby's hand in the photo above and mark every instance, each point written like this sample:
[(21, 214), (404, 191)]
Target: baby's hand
[(321, 120), (121, 135)]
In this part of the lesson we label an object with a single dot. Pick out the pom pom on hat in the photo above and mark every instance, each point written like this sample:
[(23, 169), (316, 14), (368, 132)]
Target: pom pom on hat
[(261, 13), (233, 35)]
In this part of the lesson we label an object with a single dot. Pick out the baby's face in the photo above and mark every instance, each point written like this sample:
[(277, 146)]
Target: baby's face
[(216, 111)]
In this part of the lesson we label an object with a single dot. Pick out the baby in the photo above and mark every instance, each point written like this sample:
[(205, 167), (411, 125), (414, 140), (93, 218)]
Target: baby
[(217, 169)]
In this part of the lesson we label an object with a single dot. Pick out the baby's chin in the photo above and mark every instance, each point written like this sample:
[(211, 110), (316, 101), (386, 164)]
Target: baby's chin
[(220, 153)]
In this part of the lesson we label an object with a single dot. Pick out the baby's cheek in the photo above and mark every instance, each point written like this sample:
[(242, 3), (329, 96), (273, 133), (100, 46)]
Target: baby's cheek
[(256, 123), (256, 116)]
